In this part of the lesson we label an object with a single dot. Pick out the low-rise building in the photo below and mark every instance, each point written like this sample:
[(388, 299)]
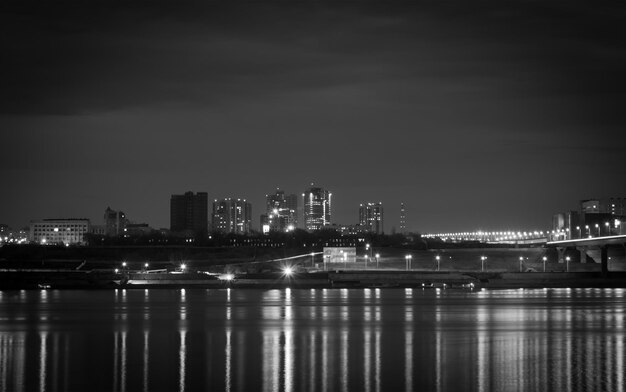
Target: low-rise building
[(59, 231)]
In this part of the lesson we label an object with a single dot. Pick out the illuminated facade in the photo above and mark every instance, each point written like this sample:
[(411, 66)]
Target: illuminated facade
[(59, 231), (371, 217), (317, 208), (402, 219), (232, 216), (281, 212), (189, 212)]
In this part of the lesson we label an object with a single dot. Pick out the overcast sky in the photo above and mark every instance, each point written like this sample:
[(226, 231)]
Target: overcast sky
[(476, 115)]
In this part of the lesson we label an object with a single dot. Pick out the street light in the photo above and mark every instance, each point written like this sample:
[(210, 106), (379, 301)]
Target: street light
[(365, 261), (521, 258), (482, 262), (408, 261), (567, 264), (608, 228), (312, 259), (377, 257), (578, 228), (183, 267), (438, 258), (588, 233), (598, 227), (544, 263)]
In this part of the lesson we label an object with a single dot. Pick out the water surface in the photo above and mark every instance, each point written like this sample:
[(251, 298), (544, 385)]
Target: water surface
[(312, 340)]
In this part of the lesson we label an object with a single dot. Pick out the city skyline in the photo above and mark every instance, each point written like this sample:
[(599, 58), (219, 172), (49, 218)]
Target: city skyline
[(474, 117)]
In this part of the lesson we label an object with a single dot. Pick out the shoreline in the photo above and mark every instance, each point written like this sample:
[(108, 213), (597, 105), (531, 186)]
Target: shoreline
[(466, 280)]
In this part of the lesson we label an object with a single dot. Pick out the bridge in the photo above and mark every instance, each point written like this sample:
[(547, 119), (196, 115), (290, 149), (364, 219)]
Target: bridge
[(595, 248)]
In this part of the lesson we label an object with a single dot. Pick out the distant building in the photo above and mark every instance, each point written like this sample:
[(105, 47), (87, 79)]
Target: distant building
[(402, 219), (189, 212), (597, 217), (98, 229), (232, 216), (590, 206), (317, 208), (59, 231), (281, 212), (349, 230), (616, 206), (566, 226), (371, 217), (137, 230), (114, 222), (611, 205)]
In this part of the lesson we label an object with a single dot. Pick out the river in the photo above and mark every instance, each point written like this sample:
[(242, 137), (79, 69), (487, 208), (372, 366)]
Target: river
[(312, 340)]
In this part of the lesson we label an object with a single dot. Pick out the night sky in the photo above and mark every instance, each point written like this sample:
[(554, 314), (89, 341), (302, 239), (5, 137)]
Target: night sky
[(478, 115)]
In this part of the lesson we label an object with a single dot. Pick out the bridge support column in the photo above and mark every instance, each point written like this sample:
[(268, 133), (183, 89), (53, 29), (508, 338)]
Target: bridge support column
[(560, 254), (583, 253), (604, 256)]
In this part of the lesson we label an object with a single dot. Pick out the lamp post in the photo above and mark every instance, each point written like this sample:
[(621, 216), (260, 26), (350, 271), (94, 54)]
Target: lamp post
[(544, 263), (312, 259), (608, 228), (578, 228), (324, 258), (345, 261), (377, 257), (365, 261), (408, 261), (482, 262), (438, 258), (521, 259), (588, 232), (566, 263), (598, 227), (618, 224)]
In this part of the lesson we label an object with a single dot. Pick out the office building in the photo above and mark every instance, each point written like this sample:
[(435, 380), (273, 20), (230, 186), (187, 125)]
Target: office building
[(189, 213), (59, 231), (317, 208), (371, 217), (402, 219), (232, 216), (281, 212), (114, 222)]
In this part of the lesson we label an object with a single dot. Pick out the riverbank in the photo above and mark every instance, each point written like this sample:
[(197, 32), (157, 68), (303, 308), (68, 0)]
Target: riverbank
[(75, 279)]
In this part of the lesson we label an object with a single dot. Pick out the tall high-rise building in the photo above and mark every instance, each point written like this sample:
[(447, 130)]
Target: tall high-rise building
[(317, 208), (189, 212), (402, 219), (114, 222), (232, 216), (371, 217), (281, 212)]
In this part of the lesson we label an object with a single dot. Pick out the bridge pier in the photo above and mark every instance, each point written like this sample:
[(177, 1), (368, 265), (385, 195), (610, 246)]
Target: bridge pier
[(604, 260), (560, 254), (583, 253)]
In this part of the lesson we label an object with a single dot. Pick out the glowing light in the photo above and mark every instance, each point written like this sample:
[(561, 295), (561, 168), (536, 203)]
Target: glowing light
[(288, 271), (183, 266)]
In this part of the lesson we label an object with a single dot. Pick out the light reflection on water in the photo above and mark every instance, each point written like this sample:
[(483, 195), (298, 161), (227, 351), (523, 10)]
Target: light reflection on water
[(312, 340)]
